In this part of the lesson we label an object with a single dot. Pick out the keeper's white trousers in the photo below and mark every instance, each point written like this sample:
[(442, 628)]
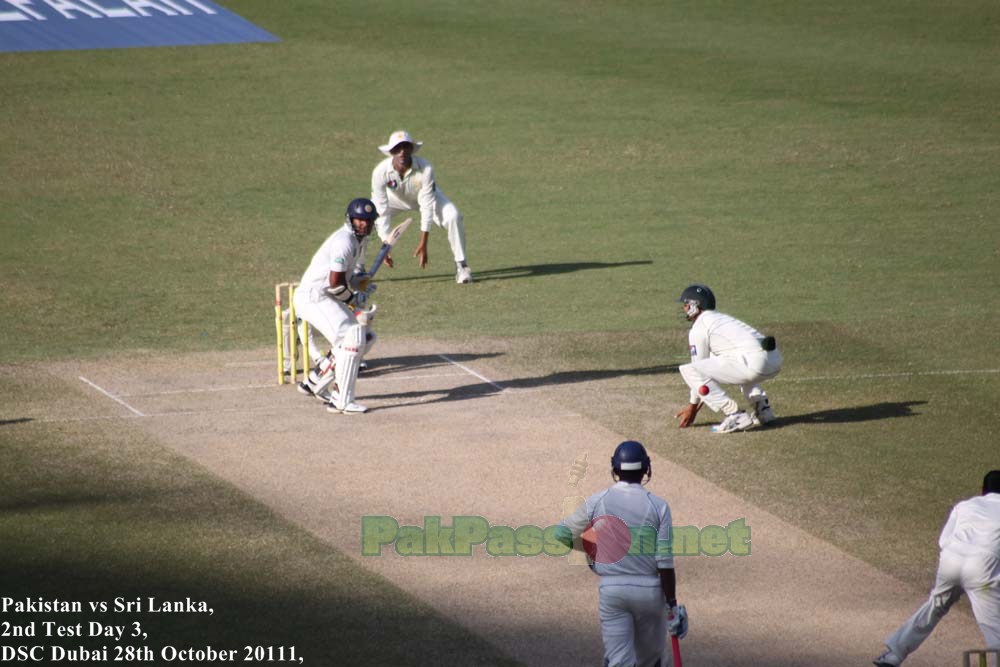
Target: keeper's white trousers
[(746, 370), (979, 577), (633, 625), (446, 215)]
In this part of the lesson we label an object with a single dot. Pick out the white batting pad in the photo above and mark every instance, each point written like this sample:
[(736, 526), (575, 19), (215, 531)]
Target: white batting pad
[(348, 355)]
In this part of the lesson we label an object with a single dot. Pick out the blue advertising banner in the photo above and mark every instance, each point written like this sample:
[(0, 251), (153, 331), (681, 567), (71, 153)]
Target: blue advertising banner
[(55, 25)]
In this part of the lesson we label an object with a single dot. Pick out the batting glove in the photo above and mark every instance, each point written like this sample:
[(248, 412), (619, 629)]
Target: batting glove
[(677, 622), (360, 282)]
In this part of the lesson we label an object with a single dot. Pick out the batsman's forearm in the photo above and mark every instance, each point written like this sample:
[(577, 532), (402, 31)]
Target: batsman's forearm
[(668, 582)]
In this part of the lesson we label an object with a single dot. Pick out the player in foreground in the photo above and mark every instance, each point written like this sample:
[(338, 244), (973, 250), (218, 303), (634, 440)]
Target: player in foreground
[(725, 351), (328, 286), (969, 562), (402, 182), (637, 596)]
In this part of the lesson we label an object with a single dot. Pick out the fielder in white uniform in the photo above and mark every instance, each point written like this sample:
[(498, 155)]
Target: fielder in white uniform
[(328, 285), (725, 350), (401, 183), (969, 562), (637, 595)]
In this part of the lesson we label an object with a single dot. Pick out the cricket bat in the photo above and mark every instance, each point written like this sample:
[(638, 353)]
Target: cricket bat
[(387, 245)]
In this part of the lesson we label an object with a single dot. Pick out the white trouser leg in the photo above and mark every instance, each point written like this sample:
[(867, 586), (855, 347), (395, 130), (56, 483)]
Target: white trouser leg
[(651, 628), (318, 345), (745, 370), (700, 373), (326, 315), (634, 625), (981, 580), (450, 219), (946, 592), (617, 627)]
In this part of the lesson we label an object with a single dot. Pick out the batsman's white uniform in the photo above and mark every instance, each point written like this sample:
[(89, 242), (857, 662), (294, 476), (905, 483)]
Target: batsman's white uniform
[(631, 605), (331, 317), (394, 193), (727, 351), (970, 561)]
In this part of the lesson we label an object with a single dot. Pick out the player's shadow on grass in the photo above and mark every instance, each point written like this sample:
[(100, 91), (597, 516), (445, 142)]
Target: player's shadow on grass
[(483, 389), (528, 271), (861, 413)]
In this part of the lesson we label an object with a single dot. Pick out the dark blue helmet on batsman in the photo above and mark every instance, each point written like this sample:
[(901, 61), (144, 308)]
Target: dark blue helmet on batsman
[(697, 298), (631, 456), (361, 209)]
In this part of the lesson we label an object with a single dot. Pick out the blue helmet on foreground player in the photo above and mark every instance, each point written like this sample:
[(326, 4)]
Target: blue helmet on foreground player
[(630, 458)]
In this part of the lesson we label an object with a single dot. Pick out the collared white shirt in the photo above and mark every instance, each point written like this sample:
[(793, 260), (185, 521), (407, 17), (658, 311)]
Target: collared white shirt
[(339, 253), (973, 527), (720, 334), (407, 192)]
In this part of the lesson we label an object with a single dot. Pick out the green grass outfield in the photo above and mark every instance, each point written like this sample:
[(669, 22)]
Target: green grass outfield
[(831, 170)]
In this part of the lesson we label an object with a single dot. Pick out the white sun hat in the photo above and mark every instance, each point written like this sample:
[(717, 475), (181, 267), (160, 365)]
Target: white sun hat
[(398, 137)]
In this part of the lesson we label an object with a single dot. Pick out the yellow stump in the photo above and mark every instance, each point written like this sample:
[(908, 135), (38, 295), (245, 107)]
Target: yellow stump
[(280, 333), (968, 657), (306, 359), (293, 332), (284, 301)]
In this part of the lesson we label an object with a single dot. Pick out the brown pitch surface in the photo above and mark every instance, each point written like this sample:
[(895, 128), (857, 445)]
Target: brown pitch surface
[(446, 437)]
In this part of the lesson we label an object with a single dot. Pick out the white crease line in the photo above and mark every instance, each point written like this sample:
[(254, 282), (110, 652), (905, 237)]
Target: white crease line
[(199, 390), (985, 371), (204, 390), (472, 372), (111, 396), (179, 413)]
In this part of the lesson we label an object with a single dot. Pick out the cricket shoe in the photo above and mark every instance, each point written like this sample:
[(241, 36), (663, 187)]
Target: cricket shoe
[(738, 421), (463, 275), (887, 659), (351, 408), (763, 417)]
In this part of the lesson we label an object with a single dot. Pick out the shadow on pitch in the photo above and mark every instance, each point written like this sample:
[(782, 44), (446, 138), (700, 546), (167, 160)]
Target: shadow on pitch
[(483, 389), (380, 366), (527, 271), (21, 420), (862, 413)]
